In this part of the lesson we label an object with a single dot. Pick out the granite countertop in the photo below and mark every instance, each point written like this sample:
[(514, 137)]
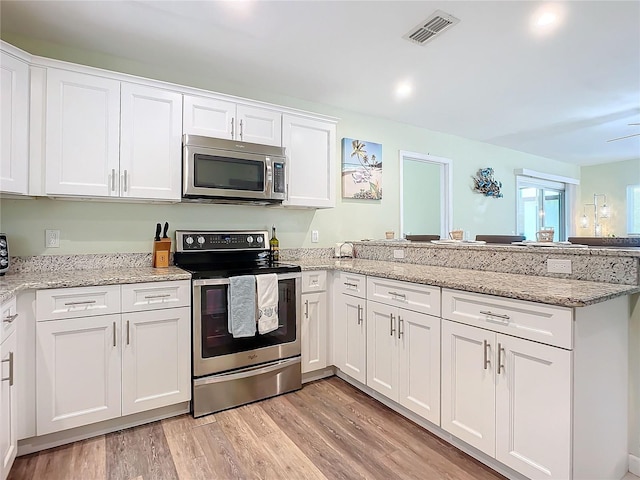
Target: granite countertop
[(554, 291), (10, 284)]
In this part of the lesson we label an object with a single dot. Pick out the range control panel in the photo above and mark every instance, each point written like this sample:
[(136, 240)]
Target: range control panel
[(206, 241)]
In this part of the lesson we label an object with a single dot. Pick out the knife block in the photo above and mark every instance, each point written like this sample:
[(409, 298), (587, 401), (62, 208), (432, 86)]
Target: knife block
[(161, 250)]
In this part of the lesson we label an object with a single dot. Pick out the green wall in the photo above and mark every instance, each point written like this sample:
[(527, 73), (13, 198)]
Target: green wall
[(104, 227), (610, 179)]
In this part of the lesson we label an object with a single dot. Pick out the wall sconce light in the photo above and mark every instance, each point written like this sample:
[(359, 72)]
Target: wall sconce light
[(598, 213)]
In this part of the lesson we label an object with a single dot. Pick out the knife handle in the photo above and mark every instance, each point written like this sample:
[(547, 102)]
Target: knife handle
[(166, 229), (158, 228)]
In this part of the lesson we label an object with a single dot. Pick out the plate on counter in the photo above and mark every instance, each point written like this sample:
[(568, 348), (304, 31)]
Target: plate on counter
[(531, 243), (458, 242)]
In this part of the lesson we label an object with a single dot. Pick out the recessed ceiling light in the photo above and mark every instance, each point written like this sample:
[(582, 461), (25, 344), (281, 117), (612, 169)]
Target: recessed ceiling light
[(404, 89), (548, 17)]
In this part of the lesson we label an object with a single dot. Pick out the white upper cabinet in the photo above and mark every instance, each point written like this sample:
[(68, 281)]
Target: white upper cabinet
[(105, 138), (212, 117), (82, 134), (311, 156), (14, 111), (150, 143)]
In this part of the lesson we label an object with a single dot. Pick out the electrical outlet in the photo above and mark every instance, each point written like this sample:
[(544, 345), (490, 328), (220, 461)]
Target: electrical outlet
[(558, 266), (314, 236), (52, 238), (398, 254)]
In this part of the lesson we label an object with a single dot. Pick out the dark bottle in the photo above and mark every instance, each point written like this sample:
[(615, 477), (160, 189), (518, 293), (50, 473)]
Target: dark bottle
[(274, 245)]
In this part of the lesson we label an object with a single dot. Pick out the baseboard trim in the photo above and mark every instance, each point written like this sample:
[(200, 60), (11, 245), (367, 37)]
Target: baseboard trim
[(634, 465), (318, 374)]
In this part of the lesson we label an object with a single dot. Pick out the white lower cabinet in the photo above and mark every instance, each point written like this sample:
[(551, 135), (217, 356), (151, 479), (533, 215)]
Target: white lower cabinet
[(403, 346), (97, 367), (314, 331), (349, 327), (78, 365), (8, 404)]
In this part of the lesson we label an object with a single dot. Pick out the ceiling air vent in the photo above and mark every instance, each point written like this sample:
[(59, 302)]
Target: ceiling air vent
[(437, 23)]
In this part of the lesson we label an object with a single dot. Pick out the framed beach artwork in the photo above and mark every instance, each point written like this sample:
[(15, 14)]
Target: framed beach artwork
[(361, 169)]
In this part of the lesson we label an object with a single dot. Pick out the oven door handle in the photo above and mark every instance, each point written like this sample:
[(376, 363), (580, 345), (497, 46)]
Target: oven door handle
[(225, 281), (246, 372)]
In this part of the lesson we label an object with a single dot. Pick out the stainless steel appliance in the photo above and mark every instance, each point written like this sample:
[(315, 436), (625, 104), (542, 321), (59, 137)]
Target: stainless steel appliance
[(4, 254), (225, 170), (229, 371)]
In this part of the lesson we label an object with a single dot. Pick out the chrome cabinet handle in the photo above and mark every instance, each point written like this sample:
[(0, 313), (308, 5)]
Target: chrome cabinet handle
[(241, 129), (10, 318), (306, 309), (10, 377), (349, 285), (232, 127), (359, 314), (114, 334), (392, 324), (128, 338), (396, 294), (500, 359), (400, 330), (113, 179), (162, 295), (497, 315), (487, 361), (85, 302), (125, 183)]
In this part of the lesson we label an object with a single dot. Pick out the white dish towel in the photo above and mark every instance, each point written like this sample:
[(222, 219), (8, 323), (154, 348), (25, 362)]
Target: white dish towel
[(267, 293)]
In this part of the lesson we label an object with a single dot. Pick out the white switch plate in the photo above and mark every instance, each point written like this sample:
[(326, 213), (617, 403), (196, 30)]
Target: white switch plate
[(398, 254), (314, 236), (558, 266), (52, 238)]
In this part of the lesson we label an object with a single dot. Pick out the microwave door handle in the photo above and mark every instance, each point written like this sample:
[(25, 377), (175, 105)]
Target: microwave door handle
[(268, 186)]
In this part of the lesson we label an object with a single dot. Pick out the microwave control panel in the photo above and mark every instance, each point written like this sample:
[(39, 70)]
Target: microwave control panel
[(278, 178)]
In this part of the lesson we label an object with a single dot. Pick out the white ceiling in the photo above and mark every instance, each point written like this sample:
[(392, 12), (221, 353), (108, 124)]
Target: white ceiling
[(491, 78)]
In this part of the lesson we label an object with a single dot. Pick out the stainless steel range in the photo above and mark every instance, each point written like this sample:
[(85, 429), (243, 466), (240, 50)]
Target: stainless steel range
[(229, 371)]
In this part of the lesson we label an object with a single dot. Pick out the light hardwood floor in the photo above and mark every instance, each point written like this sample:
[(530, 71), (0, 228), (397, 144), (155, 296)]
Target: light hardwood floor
[(327, 430)]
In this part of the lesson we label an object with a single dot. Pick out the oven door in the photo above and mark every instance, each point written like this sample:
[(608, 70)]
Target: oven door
[(214, 348)]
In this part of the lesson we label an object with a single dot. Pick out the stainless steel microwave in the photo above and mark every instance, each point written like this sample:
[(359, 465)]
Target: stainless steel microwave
[(225, 170)]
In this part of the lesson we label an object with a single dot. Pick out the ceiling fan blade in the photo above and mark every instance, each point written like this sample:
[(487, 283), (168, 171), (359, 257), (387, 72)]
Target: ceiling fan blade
[(634, 124), (626, 136)]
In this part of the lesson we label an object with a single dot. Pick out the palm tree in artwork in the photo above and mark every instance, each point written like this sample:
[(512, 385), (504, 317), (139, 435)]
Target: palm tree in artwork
[(360, 153)]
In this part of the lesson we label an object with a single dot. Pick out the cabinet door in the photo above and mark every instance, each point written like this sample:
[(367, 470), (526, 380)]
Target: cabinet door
[(209, 117), (382, 349), (468, 390), (77, 372), (8, 405), (419, 364), (533, 408), (259, 125), (156, 359), (314, 331), (349, 338), (311, 156), (150, 143), (14, 127), (82, 134)]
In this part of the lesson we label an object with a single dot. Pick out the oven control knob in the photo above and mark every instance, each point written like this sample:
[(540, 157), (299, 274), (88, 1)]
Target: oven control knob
[(201, 240), (188, 240), (259, 239), (249, 239)]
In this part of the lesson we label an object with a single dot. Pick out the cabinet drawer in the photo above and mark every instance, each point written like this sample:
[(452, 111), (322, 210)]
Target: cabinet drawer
[(315, 281), (60, 303), (155, 295), (412, 296), (8, 315), (351, 284), (532, 321)]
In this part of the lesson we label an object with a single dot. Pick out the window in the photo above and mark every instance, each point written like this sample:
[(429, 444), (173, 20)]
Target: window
[(633, 209)]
